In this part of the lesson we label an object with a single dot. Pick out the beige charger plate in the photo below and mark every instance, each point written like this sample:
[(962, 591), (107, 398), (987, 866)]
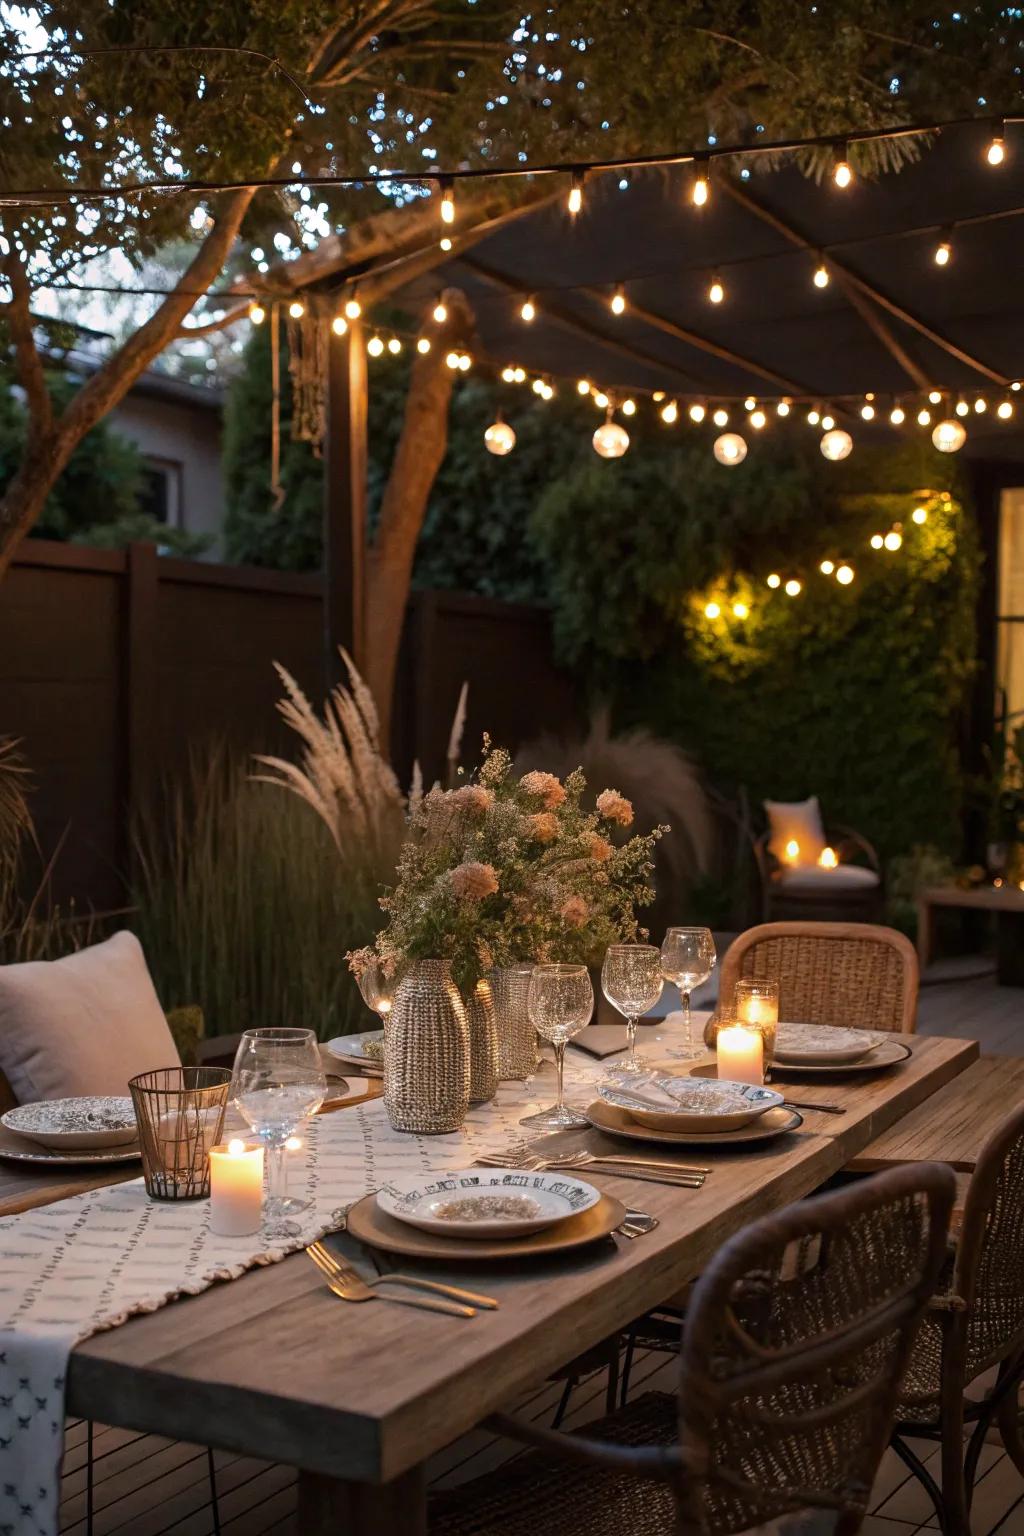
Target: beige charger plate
[(18, 1149), (618, 1122), (367, 1222)]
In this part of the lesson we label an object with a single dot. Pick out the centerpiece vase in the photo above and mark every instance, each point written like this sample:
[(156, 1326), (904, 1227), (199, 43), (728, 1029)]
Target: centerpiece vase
[(517, 1038), (427, 1052), (483, 1043)]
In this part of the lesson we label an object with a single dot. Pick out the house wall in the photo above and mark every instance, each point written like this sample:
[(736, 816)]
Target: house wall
[(187, 435)]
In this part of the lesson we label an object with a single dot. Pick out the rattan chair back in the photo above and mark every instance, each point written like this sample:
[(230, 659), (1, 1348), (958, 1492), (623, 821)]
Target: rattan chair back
[(989, 1272), (857, 974), (795, 1341)]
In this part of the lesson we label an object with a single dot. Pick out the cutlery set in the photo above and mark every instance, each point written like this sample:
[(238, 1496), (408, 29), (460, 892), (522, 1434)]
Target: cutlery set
[(656, 1171)]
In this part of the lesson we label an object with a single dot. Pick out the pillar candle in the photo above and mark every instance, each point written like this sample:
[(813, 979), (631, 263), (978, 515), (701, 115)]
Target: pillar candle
[(236, 1188), (740, 1055)]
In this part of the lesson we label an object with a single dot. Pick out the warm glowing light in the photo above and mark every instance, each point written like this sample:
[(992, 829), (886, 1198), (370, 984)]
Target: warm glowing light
[(813, 416), (758, 419), (293, 1144), (828, 858), (618, 302), (793, 587), (893, 539), (897, 415), (1015, 385), (697, 412), (701, 189), (353, 309), (658, 395), (257, 314), (499, 438), (547, 390), (528, 311), (792, 850), (919, 515), (670, 413), (236, 1146), (740, 611), (375, 346), (826, 567), (575, 199), (844, 575), (610, 440), (296, 309), (600, 399), (447, 203), (877, 541), (996, 152), (440, 312), (519, 375), (949, 436), (712, 611), (935, 396), (629, 407), (750, 404), (774, 581), (924, 416), (721, 417), (583, 387), (730, 448), (827, 423), (452, 360), (962, 408), (537, 386), (842, 171), (943, 251), (716, 292), (981, 404), (868, 411), (1004, 410), (394, 346), (445, 242), (339, 325), (821, 275), (782, 409), (423, 347)]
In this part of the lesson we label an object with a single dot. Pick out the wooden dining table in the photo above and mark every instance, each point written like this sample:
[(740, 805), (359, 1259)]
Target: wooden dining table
[(358, 1397), (953, 1124)]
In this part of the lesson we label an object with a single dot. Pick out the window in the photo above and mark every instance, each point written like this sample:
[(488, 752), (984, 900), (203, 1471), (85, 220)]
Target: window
[(160, 495), (1010, 604)]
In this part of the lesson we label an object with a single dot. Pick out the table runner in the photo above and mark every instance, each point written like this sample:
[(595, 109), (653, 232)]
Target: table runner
[(77, 1266)]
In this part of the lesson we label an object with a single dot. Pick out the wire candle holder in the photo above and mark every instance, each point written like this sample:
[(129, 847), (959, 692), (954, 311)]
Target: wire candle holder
[(180, 1115)]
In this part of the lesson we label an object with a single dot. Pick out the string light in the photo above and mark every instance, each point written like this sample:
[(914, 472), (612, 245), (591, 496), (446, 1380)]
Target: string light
[(499, 438), (339, 325), (935, 396), (423, 347), (740, 610), (844, 575), (575, 200), (730, 449), (394, 346), (827, 423), (821, 278), (658, 396), (919, 515), (440, 312), (721, 417), (836, 444), (697, 412), (452, 360), (618, 301), (813, 416), (949, 436), (894, 538), (877, 541), (774, 581), (897, 415), (610, 440), (375, 347), (257, 314), (528, 311), (519, 375), (750, 404), (842, 172), (712, 610), (826, 567), (996, 152), (447, 201), (670, 413), (758, 419), (537, 386), (793, 587), (782, 409), (629, 407), (296, 309), (1004, 410), (923, 417), (716, 292), (943, 251), (981, 404), (867, 410), (701, 189), (353, 309), (1015, 385), (445, 243), (600, 400), (583, 387)]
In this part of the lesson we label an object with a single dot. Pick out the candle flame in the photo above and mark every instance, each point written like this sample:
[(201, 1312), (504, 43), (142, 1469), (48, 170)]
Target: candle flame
[(792, 850), (828, 858), (236, 1147)]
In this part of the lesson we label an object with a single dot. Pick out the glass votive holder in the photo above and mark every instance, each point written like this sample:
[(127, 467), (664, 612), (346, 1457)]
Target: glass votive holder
[(756, 1004), (180, 1115)]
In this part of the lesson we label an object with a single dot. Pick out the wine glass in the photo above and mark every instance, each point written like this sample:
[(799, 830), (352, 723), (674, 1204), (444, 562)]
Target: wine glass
[(278, 1080), (378, 989), (631, 980), (559, 1003), (688, 958)]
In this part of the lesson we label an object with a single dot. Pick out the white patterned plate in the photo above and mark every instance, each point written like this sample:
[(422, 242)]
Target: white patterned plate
[(667, 1103), (823, 1044), (890, 1053), (486, 1202), (351, 1049), (616, 1122), (75, 1125)]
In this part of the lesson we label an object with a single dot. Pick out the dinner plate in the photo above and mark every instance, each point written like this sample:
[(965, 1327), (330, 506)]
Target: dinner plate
[(18, 1149), (616, 1122), (700, 1105), (823, 1044), (890, 1053), (486, 1203), (84, 1124), (369, 1224), (351, 1049)]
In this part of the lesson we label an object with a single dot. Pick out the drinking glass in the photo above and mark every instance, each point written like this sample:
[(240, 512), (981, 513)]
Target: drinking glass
[(688, 958), (559, 1003), (631, 980), (756, 1004), (278, 1081), (378, 989)]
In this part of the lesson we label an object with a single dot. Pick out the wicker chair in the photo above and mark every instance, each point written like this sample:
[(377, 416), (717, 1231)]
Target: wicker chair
[(975, 1324), (792, 1352), (783, 900), (856, 974)]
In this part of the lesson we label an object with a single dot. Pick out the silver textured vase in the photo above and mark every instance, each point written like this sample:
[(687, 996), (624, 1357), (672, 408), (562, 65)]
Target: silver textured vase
[(517, 1038), (426, 1052), (483, 1043)]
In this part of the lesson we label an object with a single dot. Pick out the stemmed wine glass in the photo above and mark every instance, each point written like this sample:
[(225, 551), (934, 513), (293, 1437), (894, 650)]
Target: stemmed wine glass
[(688, 958), (277, 1082), (559, 1003), (631, 980), (378, 989)]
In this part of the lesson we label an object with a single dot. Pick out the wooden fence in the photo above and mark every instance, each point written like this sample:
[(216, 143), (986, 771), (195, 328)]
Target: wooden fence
[(116, 665)]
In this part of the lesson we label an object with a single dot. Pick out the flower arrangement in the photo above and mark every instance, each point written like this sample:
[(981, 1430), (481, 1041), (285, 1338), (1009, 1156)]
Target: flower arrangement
[(503, 870)]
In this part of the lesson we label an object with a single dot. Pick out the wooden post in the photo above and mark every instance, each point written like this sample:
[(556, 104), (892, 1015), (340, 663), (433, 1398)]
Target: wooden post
[(345, 502), (139, 685)]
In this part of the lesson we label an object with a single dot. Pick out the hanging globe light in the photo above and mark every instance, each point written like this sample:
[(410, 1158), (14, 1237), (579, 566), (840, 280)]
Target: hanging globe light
[(610, 440), (949, 436), (499, 438), (730, 448), (836, 444)]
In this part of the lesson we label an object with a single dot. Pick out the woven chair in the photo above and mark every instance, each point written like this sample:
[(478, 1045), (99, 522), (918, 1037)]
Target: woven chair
[(856, 974), (975, 1324), (792, 1352), (783, 901)]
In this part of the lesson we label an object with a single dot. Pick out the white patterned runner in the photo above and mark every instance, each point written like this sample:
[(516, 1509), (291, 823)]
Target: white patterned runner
[(75, 1267)]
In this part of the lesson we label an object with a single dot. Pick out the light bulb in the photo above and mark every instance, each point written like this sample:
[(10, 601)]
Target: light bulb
[(701, 190), (1015, 385), (949, 436), (697, 412), (547, 393), (740, 611), (897, 415), (721, 417), (528, 311), (935, 396), (711, 610), (445, 243), (257, 314), (519, 375), (423, 347), (867, 411), (669, 413), (658, 395), (452, 360), (600, 399), (575, 199), (537, 386), (296, 309), (375, 346), (996, 152), (394, 346), (821, 275), (920, 515), (793, 587), (836, 444), (827, 423), (877, 541), (499, 439), (730, 449), (610, 440), (981, 404), (826, 567), (750, 404), (893, 539), (447, 203), (1004, 410), (774, 581), (629, 407), (583, 387), (782, 409), (943, 251), (716, 293), (353, 309), (962, 408), (618, 302), (758, 419), (924, 416), (842, 172), (844, 575), (813, 416), (440, 312), (465, 362)]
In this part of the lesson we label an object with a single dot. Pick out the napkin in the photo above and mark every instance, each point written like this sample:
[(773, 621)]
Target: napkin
[(33, 1368)]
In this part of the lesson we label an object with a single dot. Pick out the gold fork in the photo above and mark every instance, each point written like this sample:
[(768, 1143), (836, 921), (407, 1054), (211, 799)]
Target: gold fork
[(345, 1282)]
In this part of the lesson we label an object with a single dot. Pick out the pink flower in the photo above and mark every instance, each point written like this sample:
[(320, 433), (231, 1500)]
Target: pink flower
[(544, 827), (575, 911), (614, 807), (474, 881), (600, 848), (472, 797), (546, 786)]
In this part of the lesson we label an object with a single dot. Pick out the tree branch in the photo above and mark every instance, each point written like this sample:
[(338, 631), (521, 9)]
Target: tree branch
[(31, 375)]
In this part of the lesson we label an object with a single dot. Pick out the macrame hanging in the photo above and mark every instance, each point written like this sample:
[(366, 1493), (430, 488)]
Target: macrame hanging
[(307, 365)]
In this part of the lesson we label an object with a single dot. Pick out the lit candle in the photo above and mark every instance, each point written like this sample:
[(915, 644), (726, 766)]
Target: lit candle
[(740, 1055), (828, 858), (792, 850), (757, 1003), (236, 1188)]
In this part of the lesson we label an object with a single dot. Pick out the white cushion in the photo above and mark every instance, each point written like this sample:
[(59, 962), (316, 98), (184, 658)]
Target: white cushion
[(796, 821), (817, 882), (84, 1024)]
